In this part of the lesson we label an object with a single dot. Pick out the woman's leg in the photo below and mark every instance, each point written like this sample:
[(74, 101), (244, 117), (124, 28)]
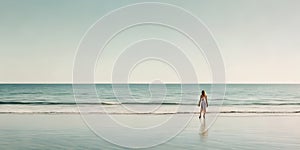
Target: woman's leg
[(200, 112), (204, 111)]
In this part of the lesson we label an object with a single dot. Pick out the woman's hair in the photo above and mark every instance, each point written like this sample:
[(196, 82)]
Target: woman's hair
[(203, 93)]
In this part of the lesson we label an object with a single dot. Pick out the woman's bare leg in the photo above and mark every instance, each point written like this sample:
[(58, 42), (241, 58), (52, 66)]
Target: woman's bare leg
[(200, 113)]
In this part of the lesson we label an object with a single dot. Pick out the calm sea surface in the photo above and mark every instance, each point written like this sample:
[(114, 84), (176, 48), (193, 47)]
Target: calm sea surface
[(244, 116), (62, 98)]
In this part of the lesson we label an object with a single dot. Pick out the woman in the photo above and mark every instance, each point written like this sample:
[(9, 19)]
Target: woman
[(203, 103)]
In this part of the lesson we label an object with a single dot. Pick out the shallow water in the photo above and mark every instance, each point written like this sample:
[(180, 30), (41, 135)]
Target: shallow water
[(47, 116), (228, 132)]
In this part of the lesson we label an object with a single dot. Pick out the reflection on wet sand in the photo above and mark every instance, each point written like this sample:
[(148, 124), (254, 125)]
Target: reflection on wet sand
[(203, 131)]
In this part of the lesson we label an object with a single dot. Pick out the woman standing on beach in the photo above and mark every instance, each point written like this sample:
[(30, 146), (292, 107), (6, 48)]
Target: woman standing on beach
[(203, 103)]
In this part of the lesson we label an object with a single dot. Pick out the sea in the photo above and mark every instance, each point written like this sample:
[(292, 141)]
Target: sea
[(145, 98), (149, 116)]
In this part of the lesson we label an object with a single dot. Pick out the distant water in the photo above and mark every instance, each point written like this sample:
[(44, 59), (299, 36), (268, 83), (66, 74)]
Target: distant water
[(59, 98), (254, 116)]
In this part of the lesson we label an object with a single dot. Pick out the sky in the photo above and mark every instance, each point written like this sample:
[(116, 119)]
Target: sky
[(259, 41)]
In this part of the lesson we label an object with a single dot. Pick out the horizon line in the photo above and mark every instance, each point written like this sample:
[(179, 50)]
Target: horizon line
[(148, 83)]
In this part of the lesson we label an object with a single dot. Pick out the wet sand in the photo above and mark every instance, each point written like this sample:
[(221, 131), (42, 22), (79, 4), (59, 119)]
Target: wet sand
[(229, 131)]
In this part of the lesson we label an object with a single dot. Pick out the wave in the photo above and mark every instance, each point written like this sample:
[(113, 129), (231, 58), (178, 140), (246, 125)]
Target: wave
[(90, 103), (259, 103), (110, 103), (157, 103), (25, 93), (151, 113), (42, 103), (138, 103)]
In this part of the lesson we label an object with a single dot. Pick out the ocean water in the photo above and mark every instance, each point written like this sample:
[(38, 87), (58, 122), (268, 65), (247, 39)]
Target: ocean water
[(65, 116), (145, 98)]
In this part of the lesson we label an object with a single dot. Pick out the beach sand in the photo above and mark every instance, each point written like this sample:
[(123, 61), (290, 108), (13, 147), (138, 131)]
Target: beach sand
[(229, 131)]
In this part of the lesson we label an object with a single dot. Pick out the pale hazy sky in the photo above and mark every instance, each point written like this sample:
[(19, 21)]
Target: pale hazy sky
[(258, 39)]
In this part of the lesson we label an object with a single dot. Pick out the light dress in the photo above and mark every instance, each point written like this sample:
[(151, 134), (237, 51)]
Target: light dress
[(203, 103)]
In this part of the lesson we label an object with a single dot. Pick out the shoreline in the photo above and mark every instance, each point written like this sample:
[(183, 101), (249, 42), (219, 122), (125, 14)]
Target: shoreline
[(146, 109), (69, 131), (244, 114)]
